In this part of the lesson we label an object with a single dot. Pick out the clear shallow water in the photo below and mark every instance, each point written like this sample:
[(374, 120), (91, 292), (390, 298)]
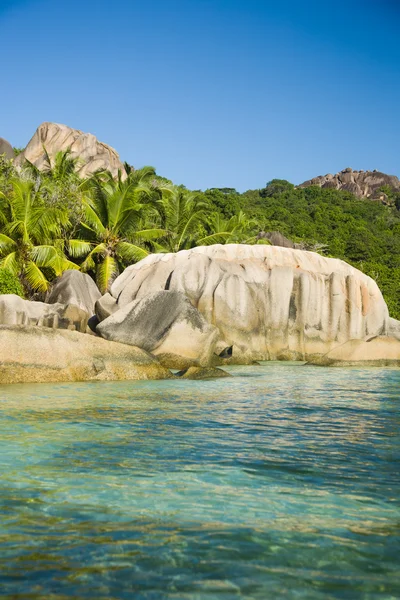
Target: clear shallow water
[(280, 482)]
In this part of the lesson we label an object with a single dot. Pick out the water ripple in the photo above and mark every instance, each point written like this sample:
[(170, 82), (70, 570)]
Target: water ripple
[(280, 482)]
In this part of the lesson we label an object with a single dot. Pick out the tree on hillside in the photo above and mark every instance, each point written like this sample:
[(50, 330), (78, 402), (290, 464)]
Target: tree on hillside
[(276, 186), (31, 246), (60, 185)]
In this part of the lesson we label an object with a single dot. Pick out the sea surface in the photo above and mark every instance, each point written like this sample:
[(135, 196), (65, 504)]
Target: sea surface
[(282, 481)]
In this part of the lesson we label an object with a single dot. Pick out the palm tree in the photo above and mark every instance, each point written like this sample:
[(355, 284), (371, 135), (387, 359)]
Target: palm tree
[(183, 215), (112, 234), (236, 230), (59, 183), (30, 242)]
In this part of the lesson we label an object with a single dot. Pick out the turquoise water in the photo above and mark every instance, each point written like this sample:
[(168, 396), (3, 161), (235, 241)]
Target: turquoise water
[(280, 482)]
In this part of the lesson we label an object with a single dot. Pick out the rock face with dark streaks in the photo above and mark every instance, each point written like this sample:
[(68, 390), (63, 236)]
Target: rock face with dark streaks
[(166, 324), (267, 302)]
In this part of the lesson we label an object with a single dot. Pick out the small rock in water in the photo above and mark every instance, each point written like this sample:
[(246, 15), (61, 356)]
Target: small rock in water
[(202, 373)]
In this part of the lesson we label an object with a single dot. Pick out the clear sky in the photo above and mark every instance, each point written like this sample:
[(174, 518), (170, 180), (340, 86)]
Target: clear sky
[(213, 93)]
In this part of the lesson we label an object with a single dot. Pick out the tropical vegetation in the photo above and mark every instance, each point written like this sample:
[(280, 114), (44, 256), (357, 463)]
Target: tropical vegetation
[(10, 284), (51, 220)]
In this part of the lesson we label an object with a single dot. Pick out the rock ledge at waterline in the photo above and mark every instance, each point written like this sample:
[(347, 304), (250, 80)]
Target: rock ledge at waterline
[(42, 354), (377, 352), (267, 302)]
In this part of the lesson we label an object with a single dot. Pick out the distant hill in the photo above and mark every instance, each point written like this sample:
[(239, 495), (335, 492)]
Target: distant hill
[(363, 184)]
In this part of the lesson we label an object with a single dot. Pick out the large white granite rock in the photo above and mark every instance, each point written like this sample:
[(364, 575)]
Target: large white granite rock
[(267, 302)]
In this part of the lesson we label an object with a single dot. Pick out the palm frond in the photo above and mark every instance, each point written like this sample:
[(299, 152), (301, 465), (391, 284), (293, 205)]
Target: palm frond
[(150, 234), (10, 263), (92, 217), (35, 278), (106, 272), (216, 238), (78, 248), (44, 256), (99, 250), (6, 243), (130, 253)]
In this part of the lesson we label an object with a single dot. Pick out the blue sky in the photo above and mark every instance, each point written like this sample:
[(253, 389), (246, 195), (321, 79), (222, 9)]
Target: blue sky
[(213, 93)]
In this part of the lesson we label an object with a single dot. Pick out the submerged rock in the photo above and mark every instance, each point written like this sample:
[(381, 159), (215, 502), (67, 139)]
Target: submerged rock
[(39, 354), (166, 324), (380, 351), (200, 373), (267, 302), (17, 311), (74, 287)]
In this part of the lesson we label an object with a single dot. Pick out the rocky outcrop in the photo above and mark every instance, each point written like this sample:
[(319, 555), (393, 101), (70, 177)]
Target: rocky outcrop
[(39, 354), (376, 352), (364, 184), (6, 148), (267, 302), (74, 287), (92, 154), (277, 239), (166, 324), (17, 311)]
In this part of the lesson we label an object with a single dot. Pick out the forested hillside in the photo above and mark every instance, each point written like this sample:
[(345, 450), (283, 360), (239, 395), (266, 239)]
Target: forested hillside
[(365, 233), (51, 220)]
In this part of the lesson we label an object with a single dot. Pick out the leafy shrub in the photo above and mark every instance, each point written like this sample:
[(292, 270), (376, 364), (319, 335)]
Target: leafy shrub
[(10, 284)]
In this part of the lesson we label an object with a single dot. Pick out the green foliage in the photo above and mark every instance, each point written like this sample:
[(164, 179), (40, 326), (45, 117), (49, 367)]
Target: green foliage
[(393, 196), (111, 235), (52, 219), (388, 280), (276, 186), (18, 151), (228, 204), (31, 246), (182, 216), (365, 233), (10, 284), (237, 229)]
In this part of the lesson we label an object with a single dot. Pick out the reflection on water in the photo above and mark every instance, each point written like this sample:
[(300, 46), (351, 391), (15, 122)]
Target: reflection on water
[(280, 482)]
